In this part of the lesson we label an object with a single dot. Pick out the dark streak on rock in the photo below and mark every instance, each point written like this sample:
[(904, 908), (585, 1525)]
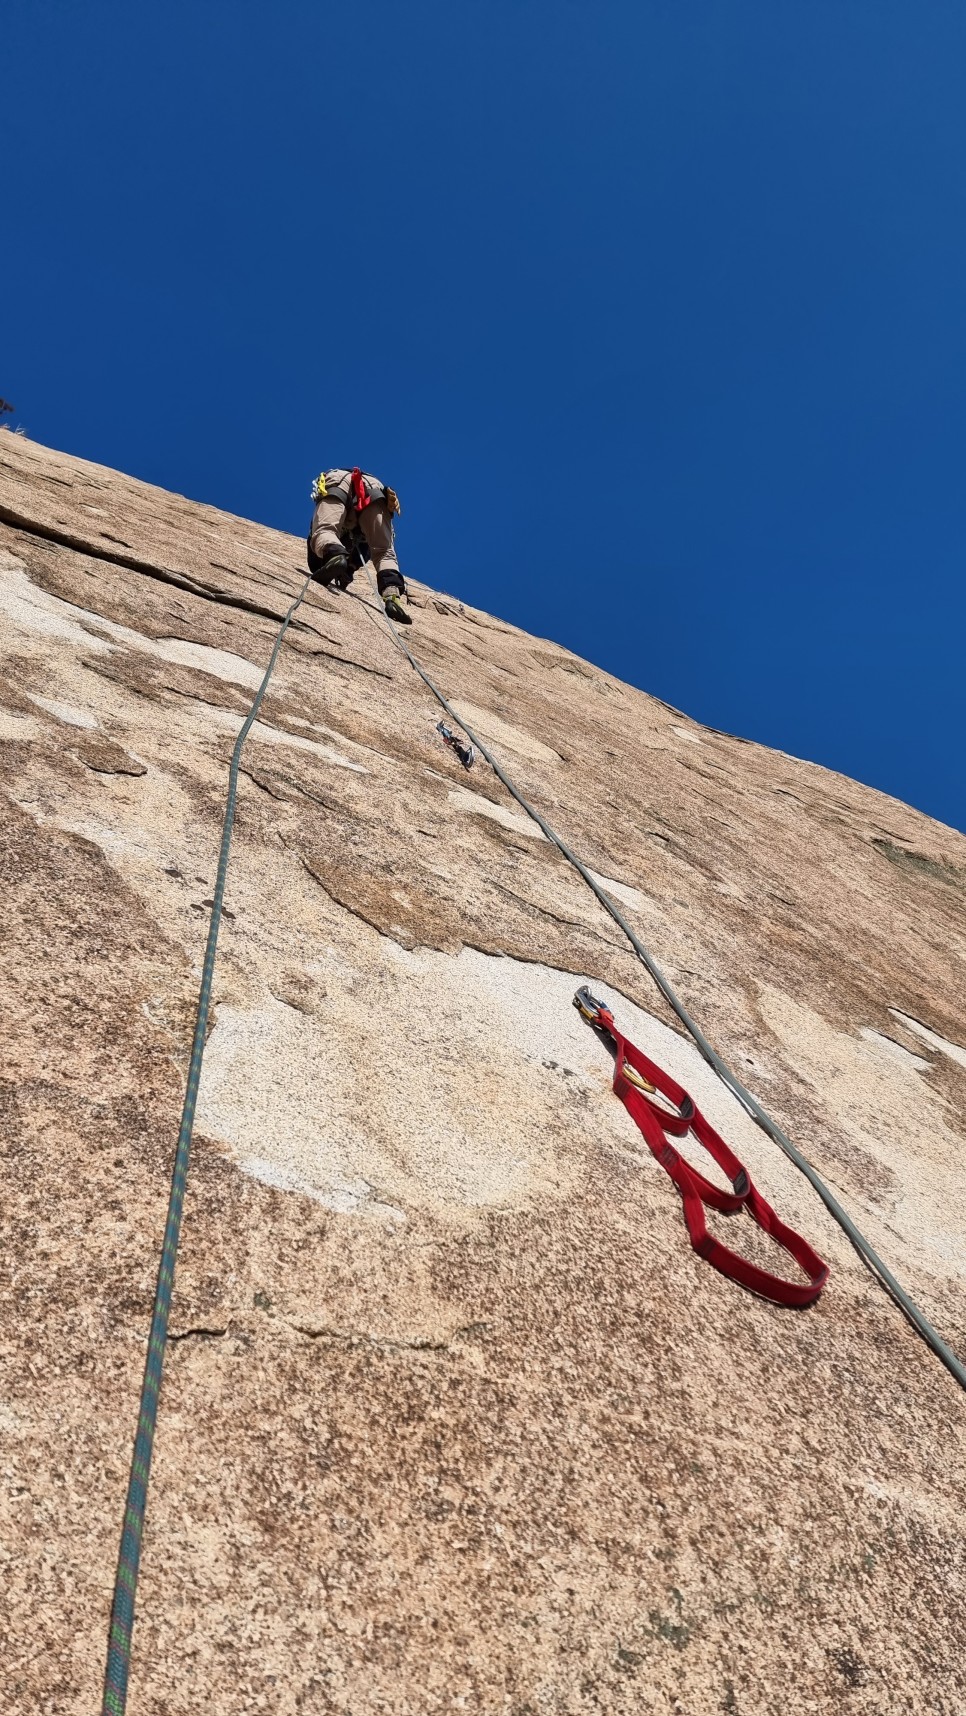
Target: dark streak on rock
[(130, 563)]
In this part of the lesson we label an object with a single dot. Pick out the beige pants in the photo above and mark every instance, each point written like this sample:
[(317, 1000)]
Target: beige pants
[(332, 516)]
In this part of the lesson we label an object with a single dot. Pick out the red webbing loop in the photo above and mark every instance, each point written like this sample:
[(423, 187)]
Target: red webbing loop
[(361, 498), (655, 1123)]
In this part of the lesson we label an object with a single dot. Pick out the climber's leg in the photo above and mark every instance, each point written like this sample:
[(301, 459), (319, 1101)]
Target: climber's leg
[(376, 522), (326, 544)]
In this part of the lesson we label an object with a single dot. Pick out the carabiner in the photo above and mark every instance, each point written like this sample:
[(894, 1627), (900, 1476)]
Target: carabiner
[(589, 1007)]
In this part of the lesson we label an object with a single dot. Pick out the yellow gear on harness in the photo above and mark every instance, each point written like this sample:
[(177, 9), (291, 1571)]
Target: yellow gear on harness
[(320, 492)]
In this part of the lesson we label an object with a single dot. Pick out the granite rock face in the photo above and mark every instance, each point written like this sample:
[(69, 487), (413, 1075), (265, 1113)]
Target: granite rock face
[(453, 1417)]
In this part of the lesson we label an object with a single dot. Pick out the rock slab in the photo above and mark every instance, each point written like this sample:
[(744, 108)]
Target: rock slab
[(453, 1418)]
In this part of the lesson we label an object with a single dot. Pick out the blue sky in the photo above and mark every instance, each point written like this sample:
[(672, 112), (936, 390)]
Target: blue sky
[(654, 313)]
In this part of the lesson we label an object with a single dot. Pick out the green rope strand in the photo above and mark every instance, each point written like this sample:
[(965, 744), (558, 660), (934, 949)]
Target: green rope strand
[(125, 1584)]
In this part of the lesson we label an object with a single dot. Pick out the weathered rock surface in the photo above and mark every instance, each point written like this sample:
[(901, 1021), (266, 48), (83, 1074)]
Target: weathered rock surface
[(453, 1418)]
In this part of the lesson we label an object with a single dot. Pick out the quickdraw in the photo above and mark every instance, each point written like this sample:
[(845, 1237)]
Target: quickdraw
[(636, 1081), (466, 753)]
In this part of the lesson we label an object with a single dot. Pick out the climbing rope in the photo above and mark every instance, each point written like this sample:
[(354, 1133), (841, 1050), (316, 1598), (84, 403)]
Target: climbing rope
[(125, 1583), (748, 1102)]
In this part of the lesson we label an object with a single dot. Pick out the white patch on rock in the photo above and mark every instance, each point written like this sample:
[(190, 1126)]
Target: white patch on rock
[(868, 1095), (942, 1045), (221, 663), (180, 652), (275, 736), (32, 611), (230, 720), (686, 733), (621, 891), (894, 1051), (344, 1199), (456, 1087), (492, 727), (64, 711), (11, 1422), (480, 806)]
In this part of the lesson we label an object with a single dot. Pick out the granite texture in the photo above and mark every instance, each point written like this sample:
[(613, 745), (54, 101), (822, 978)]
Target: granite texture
[(453, 1418)]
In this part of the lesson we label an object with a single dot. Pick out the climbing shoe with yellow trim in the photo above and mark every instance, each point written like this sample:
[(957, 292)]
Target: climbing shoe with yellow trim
[(395, 609)]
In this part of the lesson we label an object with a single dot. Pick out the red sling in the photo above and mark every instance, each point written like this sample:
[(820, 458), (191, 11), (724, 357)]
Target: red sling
[(655, 1123)]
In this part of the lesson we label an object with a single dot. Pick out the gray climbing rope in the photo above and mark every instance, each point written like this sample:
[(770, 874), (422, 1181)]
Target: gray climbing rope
[(125, 1584), (748, 1102)]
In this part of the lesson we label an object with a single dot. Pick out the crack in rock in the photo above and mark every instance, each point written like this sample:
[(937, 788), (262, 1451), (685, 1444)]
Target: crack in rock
[(263, 782), (131, 563), (347, 661), (570, 923), (389, 1343), (386, 1344)]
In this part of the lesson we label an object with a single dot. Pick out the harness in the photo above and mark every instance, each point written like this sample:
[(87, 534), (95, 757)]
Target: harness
[(354, 489), (365, 490), (637, 1081)]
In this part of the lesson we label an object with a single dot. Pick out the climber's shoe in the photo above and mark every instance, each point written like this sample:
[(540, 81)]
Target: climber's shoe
[(395, 610), (333, 569)]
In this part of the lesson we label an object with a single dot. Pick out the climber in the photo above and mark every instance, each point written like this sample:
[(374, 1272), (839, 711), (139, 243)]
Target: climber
[(352, 523)]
